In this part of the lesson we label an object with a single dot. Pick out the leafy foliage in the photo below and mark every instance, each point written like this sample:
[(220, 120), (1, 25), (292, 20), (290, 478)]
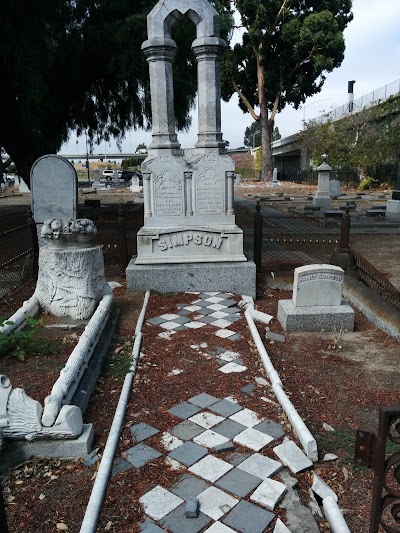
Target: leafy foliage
[(369, 137), (252, 135), (287, 50), (78, 65), (19, 343)]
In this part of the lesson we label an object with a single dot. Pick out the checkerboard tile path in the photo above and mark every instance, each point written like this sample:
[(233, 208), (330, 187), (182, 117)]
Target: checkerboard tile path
[(235, 489), (220, 484), (213, 309)]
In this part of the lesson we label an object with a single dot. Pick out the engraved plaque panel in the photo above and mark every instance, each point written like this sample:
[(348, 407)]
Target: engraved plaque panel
[(168, 195), (210, 193)]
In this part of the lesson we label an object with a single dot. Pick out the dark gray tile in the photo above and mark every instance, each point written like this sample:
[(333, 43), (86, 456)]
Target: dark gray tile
[(237, 458), (270, 428), (189, 487), (184, 410), (120, 466), (186, 430), (227, 302), (238, 484), (176, 521), (156, 321), (248, 389), (140, 454), (234, 337), (205, 311), (248, 518), (229, 428), (232, 310), (183, 312), (142, 431), (225, 407), (182, 320), (201, 303), (225, 295), (207, 319), (148, 526), (188, 454), (216, 350), (203, 400)]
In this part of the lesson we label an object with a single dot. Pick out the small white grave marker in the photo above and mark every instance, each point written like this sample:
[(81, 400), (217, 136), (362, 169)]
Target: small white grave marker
[(317, 285)]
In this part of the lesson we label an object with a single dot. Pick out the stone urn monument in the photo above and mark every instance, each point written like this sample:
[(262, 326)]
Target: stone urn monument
[(71, 278)]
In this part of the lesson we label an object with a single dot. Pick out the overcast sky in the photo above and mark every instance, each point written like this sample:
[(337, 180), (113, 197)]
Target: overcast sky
[(372, 58)]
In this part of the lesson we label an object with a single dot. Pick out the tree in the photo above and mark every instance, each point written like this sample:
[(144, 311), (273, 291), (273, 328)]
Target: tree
[(252, 135), (140, 146), (78, 65), (359, 140), (286, 51)]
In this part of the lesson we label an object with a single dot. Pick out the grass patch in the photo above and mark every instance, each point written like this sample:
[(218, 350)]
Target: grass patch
[(117, 363)]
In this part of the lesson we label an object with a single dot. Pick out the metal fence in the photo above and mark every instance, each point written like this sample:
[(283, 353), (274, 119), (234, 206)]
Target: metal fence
[(364, 102), (348, 177), (375, 280), (285, 243), (18, 257)]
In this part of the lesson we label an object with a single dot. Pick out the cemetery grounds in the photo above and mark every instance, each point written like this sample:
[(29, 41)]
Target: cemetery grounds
[(336, 379)]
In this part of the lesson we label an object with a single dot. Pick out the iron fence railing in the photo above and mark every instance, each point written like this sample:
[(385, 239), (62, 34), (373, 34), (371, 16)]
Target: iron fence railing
[(287, 242), (375, 280), (18, 258)]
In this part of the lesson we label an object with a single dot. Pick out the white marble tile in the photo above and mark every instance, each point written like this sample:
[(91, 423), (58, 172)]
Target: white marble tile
[(221, 323), (210, 468), (170, 442), (194, 325), (170, 325), (247, 417), (225, 333), (209, 439), (169, 316), (260, 466), (229, 356), (218, 527), (215, 502), (232, 367), (253, 439), (158, 502), (269, 493), (206, 419)]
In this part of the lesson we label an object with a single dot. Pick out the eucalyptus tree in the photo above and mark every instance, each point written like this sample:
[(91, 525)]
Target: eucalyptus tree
[(287, 49)]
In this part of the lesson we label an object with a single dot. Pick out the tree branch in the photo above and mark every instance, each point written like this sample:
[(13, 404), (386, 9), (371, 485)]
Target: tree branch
[(245, 101)]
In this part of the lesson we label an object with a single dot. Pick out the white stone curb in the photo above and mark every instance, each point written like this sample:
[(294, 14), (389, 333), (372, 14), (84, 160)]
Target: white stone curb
[(334, 516), (93, 508), (305, 437), (18, 319), (68, 379)]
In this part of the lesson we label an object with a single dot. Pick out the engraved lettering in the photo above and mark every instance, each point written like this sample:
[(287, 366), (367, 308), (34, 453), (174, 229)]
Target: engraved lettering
[(185, 238), (162, 245)]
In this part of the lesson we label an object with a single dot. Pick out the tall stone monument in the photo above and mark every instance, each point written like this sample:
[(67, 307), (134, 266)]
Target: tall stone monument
[(322, 196), (189, 240)]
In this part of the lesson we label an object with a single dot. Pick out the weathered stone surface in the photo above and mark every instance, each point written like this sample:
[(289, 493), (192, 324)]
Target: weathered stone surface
[(54, 189), (315, 285), (315, 318), (292, 457)]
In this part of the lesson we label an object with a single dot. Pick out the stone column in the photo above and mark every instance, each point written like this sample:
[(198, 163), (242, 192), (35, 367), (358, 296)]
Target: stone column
[(188, 189), (208, 51), (230, 176), (147, 195), (160, 54), (322, 197)]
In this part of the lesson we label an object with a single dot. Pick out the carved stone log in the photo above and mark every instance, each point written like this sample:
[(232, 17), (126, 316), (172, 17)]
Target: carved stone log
[(71, 279)]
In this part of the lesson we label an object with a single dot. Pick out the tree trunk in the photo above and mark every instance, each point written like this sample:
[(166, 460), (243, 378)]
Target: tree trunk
[(266, 129)]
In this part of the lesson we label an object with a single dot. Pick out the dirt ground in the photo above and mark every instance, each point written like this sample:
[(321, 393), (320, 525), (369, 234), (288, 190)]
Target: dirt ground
[(337, 380)]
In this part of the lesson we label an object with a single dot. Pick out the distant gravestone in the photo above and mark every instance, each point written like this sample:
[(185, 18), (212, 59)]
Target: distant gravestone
[(135, 186), (334, 187), (54, 189), (317, 285), (316, 304)]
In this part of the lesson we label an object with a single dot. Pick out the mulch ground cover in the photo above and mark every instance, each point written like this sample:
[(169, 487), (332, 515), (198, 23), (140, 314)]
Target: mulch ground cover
[(324, 385)]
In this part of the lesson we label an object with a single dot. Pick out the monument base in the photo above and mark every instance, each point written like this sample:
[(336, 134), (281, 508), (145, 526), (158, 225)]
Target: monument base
[(315, 318), (235, 277), (322, 201), (392, 208)]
